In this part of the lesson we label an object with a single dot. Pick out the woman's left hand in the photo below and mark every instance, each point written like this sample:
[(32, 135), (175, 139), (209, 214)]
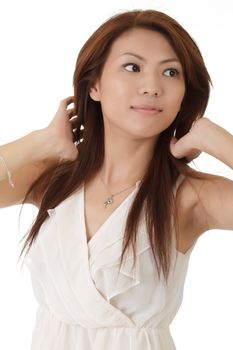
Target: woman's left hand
[(189, 146)]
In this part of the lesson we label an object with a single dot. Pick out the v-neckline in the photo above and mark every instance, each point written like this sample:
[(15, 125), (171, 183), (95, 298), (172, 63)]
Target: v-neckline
[(106, 222)]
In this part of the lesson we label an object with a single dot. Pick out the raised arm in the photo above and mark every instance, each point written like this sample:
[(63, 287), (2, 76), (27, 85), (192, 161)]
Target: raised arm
[(214, 209), (22, 161)]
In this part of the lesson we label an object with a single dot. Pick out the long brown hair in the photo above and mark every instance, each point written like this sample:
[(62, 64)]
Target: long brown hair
[(155, 197)]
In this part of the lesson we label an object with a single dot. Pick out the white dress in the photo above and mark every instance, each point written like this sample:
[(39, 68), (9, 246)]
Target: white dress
[(83, 303)]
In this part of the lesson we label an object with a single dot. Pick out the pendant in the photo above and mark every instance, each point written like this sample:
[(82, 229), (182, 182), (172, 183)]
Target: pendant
[(108, 201)]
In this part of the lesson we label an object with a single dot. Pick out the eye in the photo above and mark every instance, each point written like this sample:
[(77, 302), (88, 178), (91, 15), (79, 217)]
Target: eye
[(174, 72), (134, 69)]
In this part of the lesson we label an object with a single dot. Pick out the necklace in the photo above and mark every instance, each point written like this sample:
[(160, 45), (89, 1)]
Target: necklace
[(109, 200)]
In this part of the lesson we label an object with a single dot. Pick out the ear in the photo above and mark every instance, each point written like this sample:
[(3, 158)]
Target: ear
[(95, 92)]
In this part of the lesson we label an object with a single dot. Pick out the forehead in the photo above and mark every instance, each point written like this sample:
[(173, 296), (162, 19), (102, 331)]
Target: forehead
[(144, 41)]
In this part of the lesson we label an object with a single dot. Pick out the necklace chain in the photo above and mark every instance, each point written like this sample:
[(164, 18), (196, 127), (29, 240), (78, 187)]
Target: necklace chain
[(109, 200)]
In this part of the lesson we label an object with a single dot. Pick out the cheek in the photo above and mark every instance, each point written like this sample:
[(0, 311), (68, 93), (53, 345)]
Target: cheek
[(110, 105), (116, 83), (114, 95), (118, 89), (178, 98)]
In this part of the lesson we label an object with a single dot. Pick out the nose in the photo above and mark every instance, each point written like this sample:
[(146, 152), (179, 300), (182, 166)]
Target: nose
[(150, 86)]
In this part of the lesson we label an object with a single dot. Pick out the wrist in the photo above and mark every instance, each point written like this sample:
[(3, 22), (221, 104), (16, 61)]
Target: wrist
[(43, 148), (213, 139), (202, 131)]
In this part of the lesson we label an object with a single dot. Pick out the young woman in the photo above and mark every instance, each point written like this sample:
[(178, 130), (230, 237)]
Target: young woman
[(120, 210)]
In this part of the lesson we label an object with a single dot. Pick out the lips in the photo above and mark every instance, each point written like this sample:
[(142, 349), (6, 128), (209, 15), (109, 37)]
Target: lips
[(147, 108)]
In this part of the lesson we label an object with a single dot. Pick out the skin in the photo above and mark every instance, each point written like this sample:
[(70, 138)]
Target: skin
[(130, 136)]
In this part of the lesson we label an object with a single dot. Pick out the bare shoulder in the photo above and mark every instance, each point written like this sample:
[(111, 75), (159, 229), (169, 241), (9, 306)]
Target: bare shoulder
[(194, 184), (206, 201), (189, 208), (187, 196)]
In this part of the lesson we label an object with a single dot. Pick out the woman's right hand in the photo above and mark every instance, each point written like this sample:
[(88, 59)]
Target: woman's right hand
[(29, 156), (60, 132)]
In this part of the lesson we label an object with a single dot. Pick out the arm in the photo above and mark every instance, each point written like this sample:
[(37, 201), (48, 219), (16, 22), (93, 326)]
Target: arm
[(24, 151), (215, 194), (205, 136), (27, 157), (25, 165)]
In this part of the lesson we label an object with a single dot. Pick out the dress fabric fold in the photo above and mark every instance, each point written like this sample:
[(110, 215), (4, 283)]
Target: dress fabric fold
[(84, 300)]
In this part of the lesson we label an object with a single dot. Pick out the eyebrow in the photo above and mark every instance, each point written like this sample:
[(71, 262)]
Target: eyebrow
[(143, 59)]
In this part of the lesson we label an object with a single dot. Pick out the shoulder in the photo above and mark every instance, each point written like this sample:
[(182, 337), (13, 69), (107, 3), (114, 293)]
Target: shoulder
[(192, 185), (189, 186), (189, 203), (207, 199)]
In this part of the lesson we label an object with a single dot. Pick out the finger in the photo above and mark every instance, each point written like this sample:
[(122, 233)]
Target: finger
[(179, 148), (73, 123), (67, 101), (193, 156), (73, 126), (74, 118), (173, 140), (71, 113)]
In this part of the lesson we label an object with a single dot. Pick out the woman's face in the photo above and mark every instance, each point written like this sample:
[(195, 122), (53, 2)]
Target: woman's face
[(135, 77)]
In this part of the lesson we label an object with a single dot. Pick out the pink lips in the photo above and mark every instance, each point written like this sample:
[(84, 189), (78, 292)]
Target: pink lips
[(147, 109)]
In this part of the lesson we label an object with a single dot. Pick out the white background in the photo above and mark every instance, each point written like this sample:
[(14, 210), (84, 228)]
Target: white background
[(40, 41)]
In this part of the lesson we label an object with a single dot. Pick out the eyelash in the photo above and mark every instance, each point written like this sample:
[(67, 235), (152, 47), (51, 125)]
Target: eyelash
[(134, 64)]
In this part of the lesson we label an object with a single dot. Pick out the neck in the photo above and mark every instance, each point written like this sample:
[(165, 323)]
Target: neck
[(126, 163)]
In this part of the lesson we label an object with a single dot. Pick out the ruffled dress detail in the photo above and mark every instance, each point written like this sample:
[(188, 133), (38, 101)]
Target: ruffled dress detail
[(84, 302)]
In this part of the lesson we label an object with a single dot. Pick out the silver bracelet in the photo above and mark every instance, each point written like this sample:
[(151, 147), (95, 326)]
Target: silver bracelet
[(9, 176)]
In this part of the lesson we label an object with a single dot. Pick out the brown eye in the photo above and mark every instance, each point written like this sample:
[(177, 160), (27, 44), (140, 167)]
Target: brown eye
[(135, 67), (174, 72)]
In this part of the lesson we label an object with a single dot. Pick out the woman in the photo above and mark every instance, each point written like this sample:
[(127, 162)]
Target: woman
[(120, 210)]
